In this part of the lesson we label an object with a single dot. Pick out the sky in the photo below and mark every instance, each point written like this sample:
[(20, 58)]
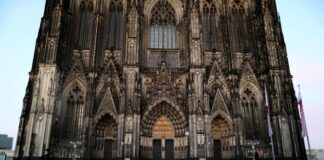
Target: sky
[(303, 28)]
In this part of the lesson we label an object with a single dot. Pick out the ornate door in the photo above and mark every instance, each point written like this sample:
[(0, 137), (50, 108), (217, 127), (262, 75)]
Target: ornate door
[(108, 149), (169, 149), (157, 149), (217, 149)]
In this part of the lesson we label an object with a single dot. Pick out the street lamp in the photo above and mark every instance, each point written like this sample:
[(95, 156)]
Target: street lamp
[(188, 152), (253, 143), (75, 144)]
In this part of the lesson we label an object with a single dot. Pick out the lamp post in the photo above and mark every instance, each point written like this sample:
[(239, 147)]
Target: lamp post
[(253, 143), (188, 152), (75, 145)]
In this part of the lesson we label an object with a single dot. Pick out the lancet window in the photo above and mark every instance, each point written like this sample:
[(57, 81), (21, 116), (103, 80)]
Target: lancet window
[(209, 26), (85, 33), (72, 114), (163, 26), (239, 26), (115, 24), (251, 114)]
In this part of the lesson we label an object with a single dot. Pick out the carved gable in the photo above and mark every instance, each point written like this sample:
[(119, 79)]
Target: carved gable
[(216, 81), (248, 76), (163, 87), (76, 71), (110, 77), (107, 105), (219, 104)]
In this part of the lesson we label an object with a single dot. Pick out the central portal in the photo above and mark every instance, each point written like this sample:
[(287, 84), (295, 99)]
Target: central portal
[(163, 139)]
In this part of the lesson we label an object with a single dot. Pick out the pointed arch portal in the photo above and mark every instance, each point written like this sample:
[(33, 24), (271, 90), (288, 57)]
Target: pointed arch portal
[(163, 128), (163, 132), (105, 138), (222, 136)]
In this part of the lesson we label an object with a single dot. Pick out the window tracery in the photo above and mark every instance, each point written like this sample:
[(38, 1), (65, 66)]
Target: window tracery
[(251, 114), (163, 26), (237, 6), (85, 33), (115, 24), (73, 116), (239, 26), (209, 26)]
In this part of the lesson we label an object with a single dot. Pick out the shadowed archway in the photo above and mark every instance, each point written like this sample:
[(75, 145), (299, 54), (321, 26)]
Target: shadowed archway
[(222, 137), (163, 132), (105, 136)]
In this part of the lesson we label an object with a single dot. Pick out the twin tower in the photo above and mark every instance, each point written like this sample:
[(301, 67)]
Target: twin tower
[(159, 79)]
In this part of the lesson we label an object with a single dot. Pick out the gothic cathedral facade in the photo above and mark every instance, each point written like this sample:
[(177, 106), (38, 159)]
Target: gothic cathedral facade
[(159, 79)]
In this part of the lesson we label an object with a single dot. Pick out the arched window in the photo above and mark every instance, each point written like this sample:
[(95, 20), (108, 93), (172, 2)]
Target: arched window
[(209, 26), (72, 114), (163, 26), (85, 34), (239, 26), (251, 114), (115, 24)]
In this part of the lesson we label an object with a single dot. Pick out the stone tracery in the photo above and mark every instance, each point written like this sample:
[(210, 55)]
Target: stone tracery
[(163, 29), (154, 71)]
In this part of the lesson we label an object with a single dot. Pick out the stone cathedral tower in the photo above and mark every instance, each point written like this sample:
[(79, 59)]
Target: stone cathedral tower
[(159, 79)]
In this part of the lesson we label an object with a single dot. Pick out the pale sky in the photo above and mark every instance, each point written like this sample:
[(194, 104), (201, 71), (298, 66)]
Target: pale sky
[(303, 27)]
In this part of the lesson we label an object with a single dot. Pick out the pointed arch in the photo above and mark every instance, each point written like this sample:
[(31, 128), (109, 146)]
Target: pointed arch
[(239, 28), (86, 24), (75, 82), (222, 125), (109, 79), (219, 104), (115, 34), (216, 81), (162, 25), (253, 88), (249, 80), (164, 108), (163, 128), (209, 25), (72, 111), (104, 128), (107, 106), (176, 5), (76, 73), (252, 111)]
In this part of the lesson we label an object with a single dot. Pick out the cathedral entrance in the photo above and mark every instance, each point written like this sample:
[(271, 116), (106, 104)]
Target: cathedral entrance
[(169, 149), (163, 134), (221, 134), (157, 149), (108, 149), (105, 138), (217, 150)]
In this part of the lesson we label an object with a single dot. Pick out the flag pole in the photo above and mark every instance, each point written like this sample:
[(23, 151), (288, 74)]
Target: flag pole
[(309, 147), (267, 105), (303, 123), (272, 148)]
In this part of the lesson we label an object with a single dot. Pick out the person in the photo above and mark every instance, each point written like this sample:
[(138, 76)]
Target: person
[(256, 155)]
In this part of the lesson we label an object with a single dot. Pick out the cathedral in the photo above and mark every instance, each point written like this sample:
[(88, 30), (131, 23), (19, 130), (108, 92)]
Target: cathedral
[(159, 79)]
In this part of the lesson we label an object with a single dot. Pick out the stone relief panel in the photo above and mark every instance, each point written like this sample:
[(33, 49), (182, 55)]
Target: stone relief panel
[(155, 57)]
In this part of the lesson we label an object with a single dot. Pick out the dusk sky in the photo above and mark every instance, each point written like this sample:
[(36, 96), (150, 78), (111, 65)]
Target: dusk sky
[(303, 27)]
